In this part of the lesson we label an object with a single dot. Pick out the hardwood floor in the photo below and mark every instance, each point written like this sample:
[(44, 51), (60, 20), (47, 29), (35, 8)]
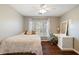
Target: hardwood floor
[(47, 49), (54, 50)]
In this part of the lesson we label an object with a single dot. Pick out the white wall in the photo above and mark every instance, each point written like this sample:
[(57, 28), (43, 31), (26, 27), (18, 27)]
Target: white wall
[(54, 22), (73, 17), (11, 22)]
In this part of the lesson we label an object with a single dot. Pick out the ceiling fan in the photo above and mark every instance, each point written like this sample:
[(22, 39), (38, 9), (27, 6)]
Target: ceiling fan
[(43, 9)]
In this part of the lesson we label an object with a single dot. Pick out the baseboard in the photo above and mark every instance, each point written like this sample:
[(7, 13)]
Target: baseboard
[(76, 51), (1, 53), (68, 49), (44, 40), (65, 49)]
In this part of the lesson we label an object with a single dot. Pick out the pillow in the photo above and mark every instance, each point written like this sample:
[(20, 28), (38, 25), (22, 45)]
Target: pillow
[(29, 33), (25, 32)]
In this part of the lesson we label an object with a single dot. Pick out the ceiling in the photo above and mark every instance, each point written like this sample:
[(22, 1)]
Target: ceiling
[(32, 9)]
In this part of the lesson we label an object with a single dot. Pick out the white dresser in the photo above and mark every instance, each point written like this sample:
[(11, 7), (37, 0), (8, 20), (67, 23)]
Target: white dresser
[(65, 42)]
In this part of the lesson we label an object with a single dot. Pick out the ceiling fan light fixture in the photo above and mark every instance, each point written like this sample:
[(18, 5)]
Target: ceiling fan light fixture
[(42, 11)]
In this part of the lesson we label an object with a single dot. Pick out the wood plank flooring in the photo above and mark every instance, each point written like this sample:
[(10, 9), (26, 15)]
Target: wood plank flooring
[(47, 49), (54, 50)]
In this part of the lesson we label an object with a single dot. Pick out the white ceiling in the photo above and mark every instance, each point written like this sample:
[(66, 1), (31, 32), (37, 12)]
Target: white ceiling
[(32, 9)]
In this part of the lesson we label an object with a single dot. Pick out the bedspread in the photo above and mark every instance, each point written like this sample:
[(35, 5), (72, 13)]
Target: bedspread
[(22, 43)]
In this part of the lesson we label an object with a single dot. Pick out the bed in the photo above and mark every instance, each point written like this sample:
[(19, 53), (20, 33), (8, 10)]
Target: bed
[(22, 43)]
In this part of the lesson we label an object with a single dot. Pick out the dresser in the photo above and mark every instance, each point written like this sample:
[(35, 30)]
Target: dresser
[(65, 42)]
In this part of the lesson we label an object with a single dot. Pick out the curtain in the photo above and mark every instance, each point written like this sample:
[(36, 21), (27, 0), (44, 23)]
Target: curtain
[(40, 26)]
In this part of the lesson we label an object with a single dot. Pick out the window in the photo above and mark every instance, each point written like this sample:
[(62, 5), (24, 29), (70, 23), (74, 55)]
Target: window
[(40, 26)]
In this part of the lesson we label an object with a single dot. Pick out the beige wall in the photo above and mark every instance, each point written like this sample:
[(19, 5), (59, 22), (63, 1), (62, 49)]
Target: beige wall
[(11, 22), (73, 17), (54, 22)]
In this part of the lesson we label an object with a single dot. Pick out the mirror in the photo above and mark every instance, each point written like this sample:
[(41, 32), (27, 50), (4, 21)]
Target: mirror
[(63, 27)]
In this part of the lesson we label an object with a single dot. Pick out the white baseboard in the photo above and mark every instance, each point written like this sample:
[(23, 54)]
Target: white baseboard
[(76, 51), (68, 49), (1, 53), (44, 40)]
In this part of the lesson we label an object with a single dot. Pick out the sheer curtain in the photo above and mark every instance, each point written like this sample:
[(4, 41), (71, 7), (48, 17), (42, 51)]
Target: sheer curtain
[(40, 26)]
